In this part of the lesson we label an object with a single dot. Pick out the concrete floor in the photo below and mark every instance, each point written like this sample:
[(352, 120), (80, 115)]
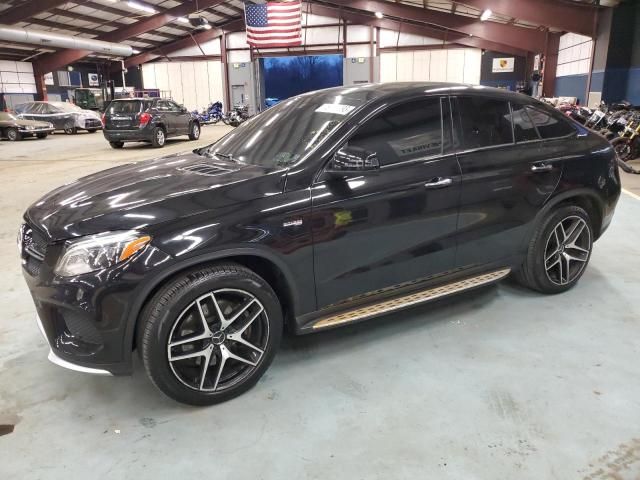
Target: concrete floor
[(500, 383)]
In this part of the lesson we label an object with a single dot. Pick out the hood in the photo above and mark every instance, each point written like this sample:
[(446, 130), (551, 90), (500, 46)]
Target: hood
[(142, 194)]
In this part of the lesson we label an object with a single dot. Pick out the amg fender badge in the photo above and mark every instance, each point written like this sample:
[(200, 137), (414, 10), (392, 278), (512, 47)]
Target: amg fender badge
[(293, 223)]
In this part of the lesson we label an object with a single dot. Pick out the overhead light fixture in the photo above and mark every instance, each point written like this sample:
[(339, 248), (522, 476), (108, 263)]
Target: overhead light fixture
[(142, 7), (182, 20), (135, 51), (379, 15), (486, 15), (198, 21), (207, 26)]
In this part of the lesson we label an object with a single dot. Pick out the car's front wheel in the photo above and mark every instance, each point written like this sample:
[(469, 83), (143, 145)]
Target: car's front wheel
[(13, 134), (209, 335), (559, 251), (116, 145)]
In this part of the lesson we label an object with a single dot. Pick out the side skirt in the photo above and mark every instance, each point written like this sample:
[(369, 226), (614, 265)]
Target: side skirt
[(398, 303)]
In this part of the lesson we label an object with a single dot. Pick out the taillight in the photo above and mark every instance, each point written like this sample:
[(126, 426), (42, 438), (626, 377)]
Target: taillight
[(104, 120), (144, 119)]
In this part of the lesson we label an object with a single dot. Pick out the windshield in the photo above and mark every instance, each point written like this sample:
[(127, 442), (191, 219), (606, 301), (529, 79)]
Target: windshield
[(282, 135), (66, 107)]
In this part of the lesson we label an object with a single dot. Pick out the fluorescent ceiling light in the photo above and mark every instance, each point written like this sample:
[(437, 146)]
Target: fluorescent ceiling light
[(141, 7), (135, 51), (486, 15), (379, 15), (207, 26), (182, 20)]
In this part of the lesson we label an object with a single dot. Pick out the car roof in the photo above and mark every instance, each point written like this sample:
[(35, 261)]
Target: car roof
[(391, 91)]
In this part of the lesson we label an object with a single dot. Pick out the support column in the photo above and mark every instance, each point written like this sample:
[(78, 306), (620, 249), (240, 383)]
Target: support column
[(225, 71), (41, 87), (550, 64)]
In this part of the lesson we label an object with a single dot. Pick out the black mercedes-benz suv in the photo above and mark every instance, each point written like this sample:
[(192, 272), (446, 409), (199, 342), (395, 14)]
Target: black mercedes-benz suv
[(150, 120), (329, 208)]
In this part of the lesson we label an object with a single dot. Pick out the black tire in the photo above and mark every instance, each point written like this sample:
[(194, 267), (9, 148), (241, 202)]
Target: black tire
[(41, 135), (158, 137), (13, 134), (547, 277), (116, 145), (623, 148), (173, 306), (70, 128), (194, 131), (92, 130)]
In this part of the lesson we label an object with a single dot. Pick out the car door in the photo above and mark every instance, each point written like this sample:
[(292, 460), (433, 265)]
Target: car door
[(382, 228), (506, 178), (166, 116), (182, 118)]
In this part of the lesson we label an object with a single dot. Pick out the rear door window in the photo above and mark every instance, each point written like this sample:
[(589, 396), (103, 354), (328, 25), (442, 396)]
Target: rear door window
[(125, 108), (523, 128), (404, 132), (548, 125), (485, 122)]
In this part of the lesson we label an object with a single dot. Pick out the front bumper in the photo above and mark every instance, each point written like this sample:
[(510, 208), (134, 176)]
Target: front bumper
[(26, 132), (88, 320), (53, 358)]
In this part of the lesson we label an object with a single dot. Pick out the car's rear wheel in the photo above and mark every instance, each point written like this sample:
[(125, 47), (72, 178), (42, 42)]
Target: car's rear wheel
[(158, 137), (194, 131), (209, 335), (13, 134), (559, 251), (116, 144)]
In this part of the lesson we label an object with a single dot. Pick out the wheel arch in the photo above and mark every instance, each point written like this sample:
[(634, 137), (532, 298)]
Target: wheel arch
[(585, 198), (265, 264)]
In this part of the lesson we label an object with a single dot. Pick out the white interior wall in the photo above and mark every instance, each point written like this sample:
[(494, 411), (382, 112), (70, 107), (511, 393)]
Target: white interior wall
[(574, 55), (212, 47), (16, 77), (460, 65), (193, 84)]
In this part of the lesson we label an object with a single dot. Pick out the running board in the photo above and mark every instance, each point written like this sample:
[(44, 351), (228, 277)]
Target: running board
[(408, 300)]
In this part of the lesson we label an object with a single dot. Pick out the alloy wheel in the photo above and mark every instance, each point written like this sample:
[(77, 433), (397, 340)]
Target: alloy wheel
[(567, 250), (195, 131), (160, 136), (218, 340)]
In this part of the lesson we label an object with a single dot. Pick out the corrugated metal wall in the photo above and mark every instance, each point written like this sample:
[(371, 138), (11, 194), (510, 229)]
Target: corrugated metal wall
[(193, 84)]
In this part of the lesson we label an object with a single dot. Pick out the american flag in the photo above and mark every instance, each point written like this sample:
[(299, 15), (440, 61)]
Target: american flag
[(274, 24)]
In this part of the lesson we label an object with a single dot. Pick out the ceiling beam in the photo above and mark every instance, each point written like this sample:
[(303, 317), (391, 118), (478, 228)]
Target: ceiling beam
[(423, 30), (51, 62), (186, 42), (519, 37), (577, 18), (24, 10)]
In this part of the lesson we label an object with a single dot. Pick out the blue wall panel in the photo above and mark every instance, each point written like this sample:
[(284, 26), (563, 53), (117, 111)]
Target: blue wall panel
[(633, 86), (572, 86)]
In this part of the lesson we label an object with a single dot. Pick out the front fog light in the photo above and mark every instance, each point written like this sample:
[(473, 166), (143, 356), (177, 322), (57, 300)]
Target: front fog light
[(98, 252)]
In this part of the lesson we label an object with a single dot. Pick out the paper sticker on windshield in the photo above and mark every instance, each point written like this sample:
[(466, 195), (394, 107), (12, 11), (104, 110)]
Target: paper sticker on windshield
[(336, 108)]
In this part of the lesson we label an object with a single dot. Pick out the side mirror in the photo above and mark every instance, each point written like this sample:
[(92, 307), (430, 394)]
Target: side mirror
[(354, 159)]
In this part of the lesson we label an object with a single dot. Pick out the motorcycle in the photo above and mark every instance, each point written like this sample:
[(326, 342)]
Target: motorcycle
[(235, 117), (211, 114), (627, 146)]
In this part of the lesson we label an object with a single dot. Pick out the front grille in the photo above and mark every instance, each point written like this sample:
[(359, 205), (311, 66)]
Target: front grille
[(34, 249)]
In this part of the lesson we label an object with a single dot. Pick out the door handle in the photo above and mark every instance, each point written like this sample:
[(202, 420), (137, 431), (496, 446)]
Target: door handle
[(541, 167), (438, 182)]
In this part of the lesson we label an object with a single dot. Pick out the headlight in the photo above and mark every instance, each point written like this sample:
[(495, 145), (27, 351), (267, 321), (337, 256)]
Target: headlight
[(98, 252), (50, 125), (30, 127)]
